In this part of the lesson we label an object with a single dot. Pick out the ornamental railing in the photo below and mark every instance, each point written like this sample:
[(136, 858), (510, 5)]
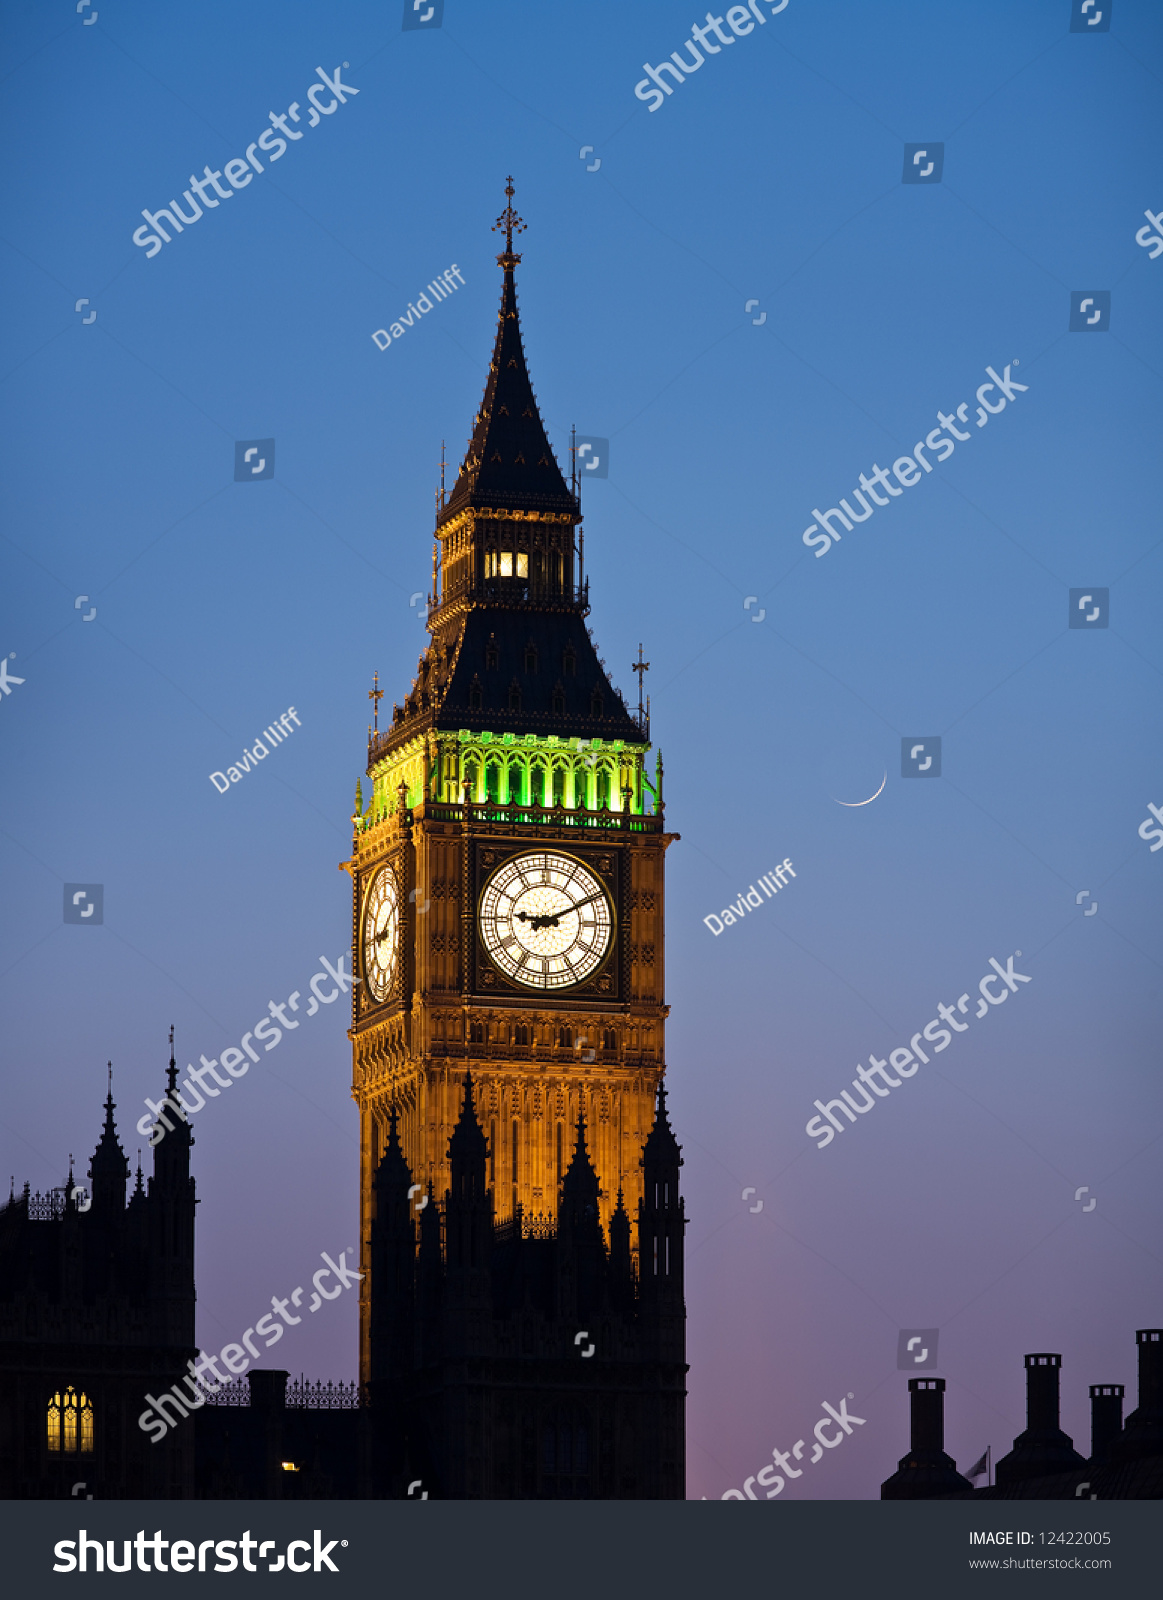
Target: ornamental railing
[(523, 1227), (545, 816), (300, 1395)]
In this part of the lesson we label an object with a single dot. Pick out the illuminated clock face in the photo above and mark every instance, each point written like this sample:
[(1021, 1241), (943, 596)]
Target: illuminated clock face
[(545, 920), (381, 933)]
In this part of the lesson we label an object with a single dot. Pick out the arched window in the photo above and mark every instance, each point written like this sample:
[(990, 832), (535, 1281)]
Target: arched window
[(492, 656), (569, 662), (530, 658), (514, 696), (70, 1423), (476, 1033), (559, 701), (597, 703), (475, 697), (564, 1039), (609, 1039), (521, 1034)]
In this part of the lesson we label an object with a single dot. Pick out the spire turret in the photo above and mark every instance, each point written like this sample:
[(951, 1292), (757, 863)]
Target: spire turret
[(109, 1167), (509, 464)]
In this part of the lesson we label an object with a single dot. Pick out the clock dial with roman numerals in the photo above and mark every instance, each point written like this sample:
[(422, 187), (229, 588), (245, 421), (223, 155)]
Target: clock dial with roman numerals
[(545, 920), (381, 934)]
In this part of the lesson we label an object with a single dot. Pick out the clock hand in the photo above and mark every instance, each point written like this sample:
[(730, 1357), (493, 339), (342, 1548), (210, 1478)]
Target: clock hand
[(554, 919)]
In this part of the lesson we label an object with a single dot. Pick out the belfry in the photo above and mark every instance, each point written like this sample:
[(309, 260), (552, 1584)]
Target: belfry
[(522, 1329)]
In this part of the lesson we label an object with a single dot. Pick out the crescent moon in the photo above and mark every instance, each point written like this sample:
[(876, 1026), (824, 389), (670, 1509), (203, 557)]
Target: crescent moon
[(871, 797)]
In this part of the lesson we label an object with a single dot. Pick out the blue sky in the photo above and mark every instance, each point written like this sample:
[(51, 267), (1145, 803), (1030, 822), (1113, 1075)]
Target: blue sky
[(772, 174)]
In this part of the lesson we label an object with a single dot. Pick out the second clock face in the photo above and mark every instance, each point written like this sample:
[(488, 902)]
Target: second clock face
[(381, 933), (545, 920)]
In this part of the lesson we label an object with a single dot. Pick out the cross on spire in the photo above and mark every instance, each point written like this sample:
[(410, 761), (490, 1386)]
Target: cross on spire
[(511, 223), (375, 696)]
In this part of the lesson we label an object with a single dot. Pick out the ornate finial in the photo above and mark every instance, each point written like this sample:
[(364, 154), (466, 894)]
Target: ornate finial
[(109, 1067), (511, 223), (375, 696), (640, 667)]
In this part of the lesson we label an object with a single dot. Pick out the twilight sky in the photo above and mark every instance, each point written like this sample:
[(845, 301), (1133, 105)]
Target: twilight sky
[(773, 176)]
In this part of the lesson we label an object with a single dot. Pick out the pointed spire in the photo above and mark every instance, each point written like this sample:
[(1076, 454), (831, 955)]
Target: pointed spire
[(662, 1147), (509, 464), (172, 1072), (109, 1168), (468, 1137), (393, 1167), (580, 1180)]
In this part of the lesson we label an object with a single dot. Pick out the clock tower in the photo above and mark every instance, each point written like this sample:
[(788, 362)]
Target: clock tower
[(508, 904)]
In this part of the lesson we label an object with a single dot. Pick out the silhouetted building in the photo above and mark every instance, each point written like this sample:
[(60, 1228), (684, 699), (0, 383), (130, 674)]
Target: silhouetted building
[(256, 1441), (1126, 1460), (526, 1359), (97, 1315)]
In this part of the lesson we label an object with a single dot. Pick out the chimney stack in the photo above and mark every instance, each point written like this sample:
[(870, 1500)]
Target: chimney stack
[(1042, 1392), (1150, 1343), (926, 1473), (1043, 1450), (1142, 1435), (927, 1407), (1106, 1419)]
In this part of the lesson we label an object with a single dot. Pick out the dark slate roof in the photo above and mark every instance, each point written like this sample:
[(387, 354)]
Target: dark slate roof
[(456, 662), (510, 463)]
